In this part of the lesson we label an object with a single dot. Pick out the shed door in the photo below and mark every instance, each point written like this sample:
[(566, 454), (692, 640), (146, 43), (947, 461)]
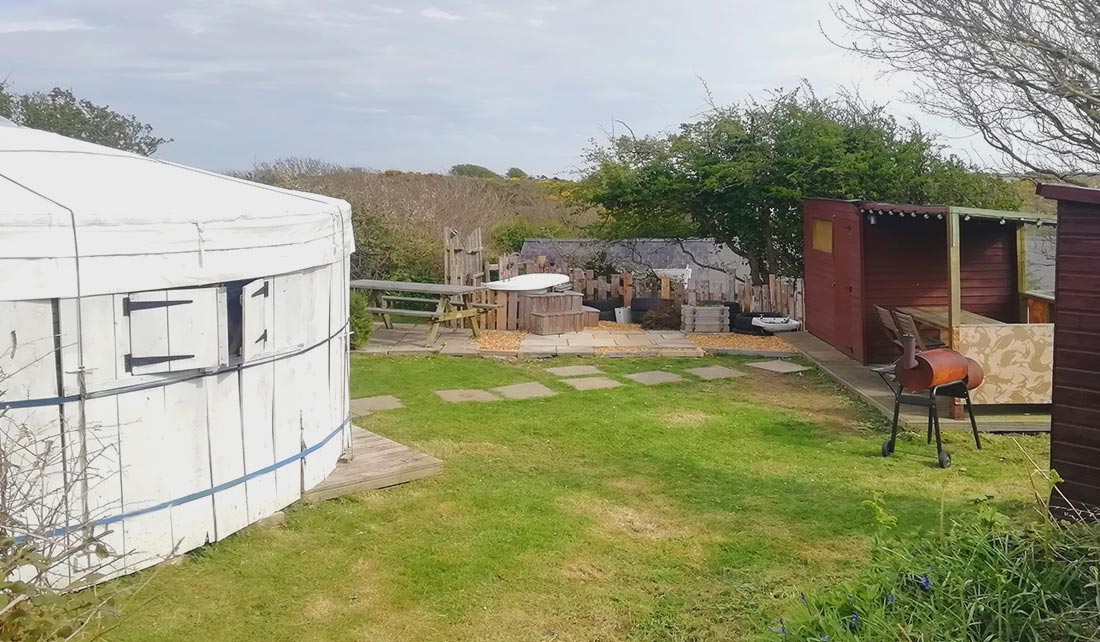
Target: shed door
[(845, 302)]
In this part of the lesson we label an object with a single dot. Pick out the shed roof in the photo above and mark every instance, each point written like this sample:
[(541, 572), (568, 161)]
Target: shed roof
[(1074, 193), (82, 219), (940, 211)]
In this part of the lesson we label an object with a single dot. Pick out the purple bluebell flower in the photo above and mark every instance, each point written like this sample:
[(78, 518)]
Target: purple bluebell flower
[(926, 582), (890, 599), (852, 622)]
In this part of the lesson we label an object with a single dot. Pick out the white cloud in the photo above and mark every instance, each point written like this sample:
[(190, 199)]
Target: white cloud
[(438, 14), (376, 82)]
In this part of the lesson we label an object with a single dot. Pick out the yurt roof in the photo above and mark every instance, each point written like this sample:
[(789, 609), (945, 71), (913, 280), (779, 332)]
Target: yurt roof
[(83, 219)]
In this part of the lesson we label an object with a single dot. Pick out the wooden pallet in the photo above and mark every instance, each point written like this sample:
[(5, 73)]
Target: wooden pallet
[(376, 463), (555, 322)]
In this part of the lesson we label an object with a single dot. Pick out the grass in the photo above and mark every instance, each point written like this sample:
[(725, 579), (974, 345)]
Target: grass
[(678, 512)]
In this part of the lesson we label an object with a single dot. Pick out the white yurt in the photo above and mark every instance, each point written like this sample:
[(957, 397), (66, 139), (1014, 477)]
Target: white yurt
[(179, 336)]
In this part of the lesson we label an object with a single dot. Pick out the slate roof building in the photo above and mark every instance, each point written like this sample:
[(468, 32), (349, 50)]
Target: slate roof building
[(706, 259)]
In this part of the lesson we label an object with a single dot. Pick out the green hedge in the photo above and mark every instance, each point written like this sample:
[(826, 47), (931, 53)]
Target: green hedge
[(360, 321)]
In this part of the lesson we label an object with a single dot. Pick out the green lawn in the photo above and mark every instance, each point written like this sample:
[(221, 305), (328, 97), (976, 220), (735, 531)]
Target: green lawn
[(677, 512)]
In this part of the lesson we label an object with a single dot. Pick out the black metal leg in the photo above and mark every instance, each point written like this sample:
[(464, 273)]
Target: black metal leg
[(894, 427), (939, 438), (931, 412), (973, 422)]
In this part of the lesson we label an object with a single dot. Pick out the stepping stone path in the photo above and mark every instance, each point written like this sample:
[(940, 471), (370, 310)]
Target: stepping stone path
[(531, 390), (782, 367), (366, 405), (459, 396), (654, 377), (591, 383), (711, 373), (574, 371)]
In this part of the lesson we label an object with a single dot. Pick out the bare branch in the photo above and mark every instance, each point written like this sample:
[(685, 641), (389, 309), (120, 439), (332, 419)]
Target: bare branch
[(1025, 74)]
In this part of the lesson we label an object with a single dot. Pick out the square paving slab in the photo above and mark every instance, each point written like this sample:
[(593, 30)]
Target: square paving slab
[(715, 372), (531, 390), (367, 405), (782, 367), (591, 383), (458, 396), (654, 377), (574, 371)]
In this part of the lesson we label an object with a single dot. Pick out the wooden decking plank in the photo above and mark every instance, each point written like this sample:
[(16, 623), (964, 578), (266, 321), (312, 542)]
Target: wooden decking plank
[(378, 463)]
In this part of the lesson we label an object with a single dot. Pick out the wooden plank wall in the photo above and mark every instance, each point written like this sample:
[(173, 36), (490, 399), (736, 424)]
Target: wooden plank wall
[(905, 264), (147, 447), (1075, 425), (783, 296)]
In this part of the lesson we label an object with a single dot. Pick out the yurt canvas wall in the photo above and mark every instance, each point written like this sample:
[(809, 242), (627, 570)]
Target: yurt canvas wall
[(178, 337)]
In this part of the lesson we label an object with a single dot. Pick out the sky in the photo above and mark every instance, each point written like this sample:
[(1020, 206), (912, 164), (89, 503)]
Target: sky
[(422, 85)]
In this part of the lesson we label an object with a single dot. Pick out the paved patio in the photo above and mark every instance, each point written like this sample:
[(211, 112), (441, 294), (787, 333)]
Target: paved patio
[(410, 338)]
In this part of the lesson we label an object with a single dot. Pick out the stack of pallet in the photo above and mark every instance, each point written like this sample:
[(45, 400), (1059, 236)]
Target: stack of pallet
[(555, 313), (700, 318)]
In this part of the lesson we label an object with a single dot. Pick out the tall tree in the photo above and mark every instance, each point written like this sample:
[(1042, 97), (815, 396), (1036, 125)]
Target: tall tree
[(740, 174), (1023, 73), (61, 112), (473, 171)]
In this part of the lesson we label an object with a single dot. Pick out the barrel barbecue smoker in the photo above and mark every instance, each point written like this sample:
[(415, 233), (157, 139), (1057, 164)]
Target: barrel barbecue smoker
[(939, 373)]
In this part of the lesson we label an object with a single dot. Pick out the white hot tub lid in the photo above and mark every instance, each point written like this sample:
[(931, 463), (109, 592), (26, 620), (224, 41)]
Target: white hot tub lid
[(528, 282)]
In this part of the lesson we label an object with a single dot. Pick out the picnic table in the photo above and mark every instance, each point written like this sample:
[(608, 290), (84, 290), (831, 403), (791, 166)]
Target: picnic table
[(936, 316), (452, 302)]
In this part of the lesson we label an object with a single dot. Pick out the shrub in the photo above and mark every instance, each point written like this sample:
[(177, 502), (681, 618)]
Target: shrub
[(509, 235), (663, 317), (985, 579), (601, 264), (473, 171), (360, 321)]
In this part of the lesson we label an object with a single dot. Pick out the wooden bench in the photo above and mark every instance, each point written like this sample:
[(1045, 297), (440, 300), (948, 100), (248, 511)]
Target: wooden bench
[(401, 312)]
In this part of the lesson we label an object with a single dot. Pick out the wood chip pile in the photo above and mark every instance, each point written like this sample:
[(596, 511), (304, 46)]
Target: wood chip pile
[(502, 340), (611, 326), (742, 342)]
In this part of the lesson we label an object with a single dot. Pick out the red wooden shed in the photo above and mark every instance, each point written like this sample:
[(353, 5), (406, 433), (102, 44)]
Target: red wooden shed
[(962, 266), (1075, 421)]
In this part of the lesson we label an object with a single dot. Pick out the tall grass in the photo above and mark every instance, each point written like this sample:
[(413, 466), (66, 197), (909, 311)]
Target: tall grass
[(986, 579)]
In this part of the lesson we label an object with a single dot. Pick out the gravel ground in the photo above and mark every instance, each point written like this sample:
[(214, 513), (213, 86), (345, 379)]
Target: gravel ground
[(611, 326), (741, 342), (500, 339)]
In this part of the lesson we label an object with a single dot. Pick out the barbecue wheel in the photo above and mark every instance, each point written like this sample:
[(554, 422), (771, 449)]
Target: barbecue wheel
[(945, 459), (887, 448)]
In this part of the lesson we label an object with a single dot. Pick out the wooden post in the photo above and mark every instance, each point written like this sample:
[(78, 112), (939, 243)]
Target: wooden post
[(666, 285), (628, 289), (1021, 272), (954, 278)]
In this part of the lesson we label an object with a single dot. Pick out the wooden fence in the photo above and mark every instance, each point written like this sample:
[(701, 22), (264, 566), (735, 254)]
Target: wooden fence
[(783, 296)]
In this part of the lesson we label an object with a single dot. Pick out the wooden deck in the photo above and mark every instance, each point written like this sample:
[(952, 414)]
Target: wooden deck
[(869, 387), (377, 463)]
